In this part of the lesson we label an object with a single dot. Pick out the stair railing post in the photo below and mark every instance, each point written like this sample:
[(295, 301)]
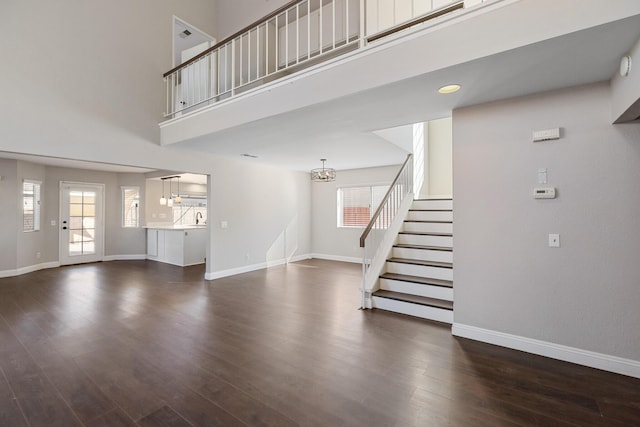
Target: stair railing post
[(363, 26)]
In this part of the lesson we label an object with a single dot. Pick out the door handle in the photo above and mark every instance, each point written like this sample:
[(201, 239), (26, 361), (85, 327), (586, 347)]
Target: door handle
[(64, 228)]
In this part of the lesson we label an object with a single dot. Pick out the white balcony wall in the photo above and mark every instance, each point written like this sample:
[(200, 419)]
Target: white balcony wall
[(384, 14)]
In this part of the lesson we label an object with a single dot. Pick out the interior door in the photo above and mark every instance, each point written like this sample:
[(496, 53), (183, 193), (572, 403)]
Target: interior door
[(81, 223)]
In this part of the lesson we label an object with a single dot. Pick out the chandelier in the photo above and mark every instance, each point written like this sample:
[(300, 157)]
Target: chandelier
[(323, 174)]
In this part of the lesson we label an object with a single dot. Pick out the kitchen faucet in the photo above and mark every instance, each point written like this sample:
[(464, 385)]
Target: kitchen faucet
[(198, 221)]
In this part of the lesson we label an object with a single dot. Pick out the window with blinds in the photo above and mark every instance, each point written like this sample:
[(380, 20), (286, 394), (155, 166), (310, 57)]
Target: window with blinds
[(31, 205), (356, 205), (130, 207)]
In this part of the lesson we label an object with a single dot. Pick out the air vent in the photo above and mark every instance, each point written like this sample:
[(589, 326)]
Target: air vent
[(185, 34), (249, 155)]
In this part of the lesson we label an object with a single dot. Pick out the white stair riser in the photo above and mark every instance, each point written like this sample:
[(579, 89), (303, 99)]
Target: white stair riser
[(425, 312), (428, 227), (420, 270), (423, 254), (429, 291), (417, 239), (430, 215), (432, 204)]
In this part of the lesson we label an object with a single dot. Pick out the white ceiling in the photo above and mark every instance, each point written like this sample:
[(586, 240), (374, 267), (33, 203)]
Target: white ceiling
[(342, 130), (187, 178)]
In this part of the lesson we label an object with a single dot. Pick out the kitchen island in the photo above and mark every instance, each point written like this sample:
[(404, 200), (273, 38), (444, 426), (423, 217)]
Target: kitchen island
[(181, 245)]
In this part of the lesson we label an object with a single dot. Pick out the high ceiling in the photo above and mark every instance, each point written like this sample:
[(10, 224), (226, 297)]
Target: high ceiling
[(346, 130)]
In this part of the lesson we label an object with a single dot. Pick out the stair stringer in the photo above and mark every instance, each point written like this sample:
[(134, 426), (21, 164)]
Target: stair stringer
[(370, 280)]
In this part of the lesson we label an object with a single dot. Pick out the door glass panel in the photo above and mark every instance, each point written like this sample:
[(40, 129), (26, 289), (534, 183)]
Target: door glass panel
[(82, 222), (75, 223)]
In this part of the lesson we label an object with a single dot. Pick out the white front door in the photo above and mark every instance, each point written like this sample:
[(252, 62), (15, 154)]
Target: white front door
[(81, 223)]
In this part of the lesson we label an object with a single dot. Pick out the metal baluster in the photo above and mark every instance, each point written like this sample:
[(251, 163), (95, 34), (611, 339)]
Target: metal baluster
[(277, 49), (286, 36), (233, 66), (346, 21), (266, 49), (363, 27), (249, 56), (258, 69), (308, 29), (297, 33), (321, 22), (241, 58), (333, 13)]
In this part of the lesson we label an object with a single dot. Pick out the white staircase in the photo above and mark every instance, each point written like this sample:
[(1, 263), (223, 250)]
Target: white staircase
[(419, 273)]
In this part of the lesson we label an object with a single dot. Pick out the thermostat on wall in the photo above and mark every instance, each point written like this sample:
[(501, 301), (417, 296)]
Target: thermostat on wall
[(544, 193)]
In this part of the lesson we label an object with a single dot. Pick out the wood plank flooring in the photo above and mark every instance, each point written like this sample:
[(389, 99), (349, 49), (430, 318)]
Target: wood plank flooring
[(139, 343)]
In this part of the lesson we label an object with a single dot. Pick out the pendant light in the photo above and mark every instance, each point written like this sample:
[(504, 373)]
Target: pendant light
[(323, 174), (163, 200), (170, 201), (178, 199)]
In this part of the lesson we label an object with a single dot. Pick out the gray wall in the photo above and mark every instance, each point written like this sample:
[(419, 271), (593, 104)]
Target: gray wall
[(327, 238), (585, 294), (8, 214)]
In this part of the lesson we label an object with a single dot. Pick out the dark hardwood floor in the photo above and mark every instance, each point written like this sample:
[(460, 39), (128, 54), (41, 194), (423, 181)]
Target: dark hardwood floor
[(138, 343)]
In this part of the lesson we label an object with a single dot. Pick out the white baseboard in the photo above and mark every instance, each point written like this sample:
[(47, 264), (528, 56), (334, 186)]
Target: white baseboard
[(124, 257), (591, 359), (28, 269), (253, 267), (356, 260)]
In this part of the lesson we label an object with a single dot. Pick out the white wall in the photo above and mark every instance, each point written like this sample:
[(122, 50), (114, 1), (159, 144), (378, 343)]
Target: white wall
[(329, 241), (85, 83), (234, 15), (626, 90), (438, 173), (267, 214), (584, 294)]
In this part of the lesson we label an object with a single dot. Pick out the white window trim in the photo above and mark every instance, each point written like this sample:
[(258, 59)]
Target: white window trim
[(339, 218), (37, 206), (123, 189)]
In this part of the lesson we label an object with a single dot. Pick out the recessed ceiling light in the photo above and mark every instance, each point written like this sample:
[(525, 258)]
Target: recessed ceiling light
[(449, 89)]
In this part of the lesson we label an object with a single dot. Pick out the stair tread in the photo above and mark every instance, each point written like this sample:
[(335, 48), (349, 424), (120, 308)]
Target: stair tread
[(427, 233), (428, 222), (423, 247), (417, 279), (414, 299), (421, 262)]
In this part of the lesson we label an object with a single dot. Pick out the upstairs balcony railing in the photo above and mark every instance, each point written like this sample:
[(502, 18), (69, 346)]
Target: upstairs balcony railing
[(297, 35)]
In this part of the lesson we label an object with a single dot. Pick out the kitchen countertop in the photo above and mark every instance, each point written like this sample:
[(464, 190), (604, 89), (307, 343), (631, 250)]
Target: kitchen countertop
[(176, 227)]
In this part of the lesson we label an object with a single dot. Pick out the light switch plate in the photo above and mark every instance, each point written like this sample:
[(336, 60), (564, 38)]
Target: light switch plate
[(545, 135), (554, 240), (542, 176), (224, 224)]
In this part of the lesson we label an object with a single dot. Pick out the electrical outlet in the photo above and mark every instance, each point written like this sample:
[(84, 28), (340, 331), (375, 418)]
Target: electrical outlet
[(38, 255), (554, 240)]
